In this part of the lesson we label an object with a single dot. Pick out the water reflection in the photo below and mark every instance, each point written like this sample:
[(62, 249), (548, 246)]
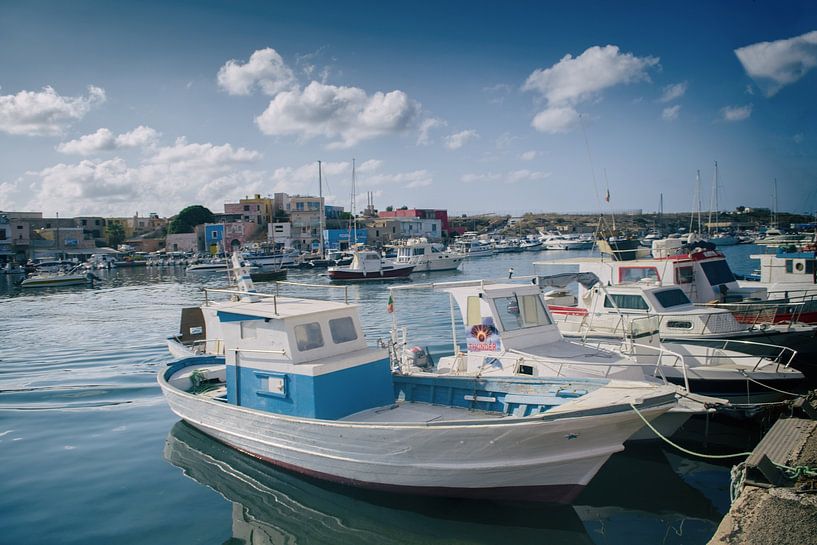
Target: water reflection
[(637, 493)]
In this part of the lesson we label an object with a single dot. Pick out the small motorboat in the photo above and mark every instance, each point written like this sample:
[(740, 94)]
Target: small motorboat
[(368, 265)]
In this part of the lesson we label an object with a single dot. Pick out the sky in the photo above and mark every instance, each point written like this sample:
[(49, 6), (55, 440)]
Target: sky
[(117, 108)]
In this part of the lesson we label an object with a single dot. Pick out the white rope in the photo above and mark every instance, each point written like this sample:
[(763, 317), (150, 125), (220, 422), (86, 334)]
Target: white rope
[(682, 449)]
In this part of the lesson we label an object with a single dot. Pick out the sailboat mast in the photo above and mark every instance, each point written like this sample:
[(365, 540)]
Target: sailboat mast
[(321, 212), (354, 217), (713, 199)]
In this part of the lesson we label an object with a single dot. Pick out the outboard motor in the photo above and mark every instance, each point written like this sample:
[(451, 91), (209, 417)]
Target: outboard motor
[(415, 357)]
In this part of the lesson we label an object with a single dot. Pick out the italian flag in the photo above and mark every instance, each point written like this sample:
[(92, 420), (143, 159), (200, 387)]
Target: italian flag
[(390, 305)]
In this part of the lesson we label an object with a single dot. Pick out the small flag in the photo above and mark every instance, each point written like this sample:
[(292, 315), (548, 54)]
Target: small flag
[(390, 305), (607, 196)]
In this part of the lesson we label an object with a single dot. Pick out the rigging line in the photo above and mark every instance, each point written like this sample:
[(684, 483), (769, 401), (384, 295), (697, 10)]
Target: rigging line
[(592, 168)]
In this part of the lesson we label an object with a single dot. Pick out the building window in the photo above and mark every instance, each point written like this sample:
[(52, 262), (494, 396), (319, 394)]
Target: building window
[(3, 234), (84, 222), (214, 234), (246, 207), (299, 206)]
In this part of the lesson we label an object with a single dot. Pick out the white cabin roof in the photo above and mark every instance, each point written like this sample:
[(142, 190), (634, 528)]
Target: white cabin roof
[(282, 308)]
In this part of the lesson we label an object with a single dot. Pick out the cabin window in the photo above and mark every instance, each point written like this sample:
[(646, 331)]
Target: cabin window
[(717, 272), (419, 251), (249, 330), (810, 266), (634, 274), (473, 313), (629, 302), (342, 330), (799, 267), (789, 266), (684, 275), (521, 312), (672, 298), (372, 257), (674, 324), (308, 336), (525, 370)]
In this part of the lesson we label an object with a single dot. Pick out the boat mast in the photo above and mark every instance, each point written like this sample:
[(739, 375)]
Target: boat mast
[(774, 205), (320, 211), (713, 201), (354, 217)]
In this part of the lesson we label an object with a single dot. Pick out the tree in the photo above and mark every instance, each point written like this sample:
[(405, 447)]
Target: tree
[(389, 208), (186, 220), (115, 233)]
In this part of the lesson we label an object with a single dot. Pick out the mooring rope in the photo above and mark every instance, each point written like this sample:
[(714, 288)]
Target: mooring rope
[(742, 372)]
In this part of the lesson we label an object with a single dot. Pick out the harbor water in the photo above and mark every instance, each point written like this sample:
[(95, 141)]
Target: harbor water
[(91, 454)]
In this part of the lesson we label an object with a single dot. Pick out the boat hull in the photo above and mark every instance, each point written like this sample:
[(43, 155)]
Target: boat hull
[(401, 272), (545, 458), (53, 282)]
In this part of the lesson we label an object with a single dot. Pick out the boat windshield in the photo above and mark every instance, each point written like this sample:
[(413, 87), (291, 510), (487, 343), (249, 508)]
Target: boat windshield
[(517, 312), (717, 272), (672, 298)]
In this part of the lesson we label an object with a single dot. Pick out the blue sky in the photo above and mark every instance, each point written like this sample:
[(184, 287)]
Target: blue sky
[(114, 108)]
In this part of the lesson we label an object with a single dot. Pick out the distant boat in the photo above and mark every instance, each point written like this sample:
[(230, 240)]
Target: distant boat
[(427, 256), (368, 265), (50, 280), (723, 239)]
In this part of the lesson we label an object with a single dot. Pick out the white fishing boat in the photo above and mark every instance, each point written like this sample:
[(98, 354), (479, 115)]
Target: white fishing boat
[(58, 279), (564, 242), (509, 332), (299, 388), (528, 245), (210, 265), (427, 256), (368, 265), (472, 248), (705, 350)]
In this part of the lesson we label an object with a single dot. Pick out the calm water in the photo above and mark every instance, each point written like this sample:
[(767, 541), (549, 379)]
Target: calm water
[(91, 453)]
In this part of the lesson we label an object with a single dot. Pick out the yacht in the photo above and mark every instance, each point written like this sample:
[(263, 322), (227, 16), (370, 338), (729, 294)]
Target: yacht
[(427, 256), (368, 265), (472, 248)]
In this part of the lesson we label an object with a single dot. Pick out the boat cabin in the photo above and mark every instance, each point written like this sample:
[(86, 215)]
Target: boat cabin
[(788, 267), (703, 276), (618, 310), (301, 357)]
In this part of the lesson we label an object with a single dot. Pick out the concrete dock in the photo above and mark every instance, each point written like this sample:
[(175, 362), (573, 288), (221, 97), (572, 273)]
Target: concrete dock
[(776, 506)]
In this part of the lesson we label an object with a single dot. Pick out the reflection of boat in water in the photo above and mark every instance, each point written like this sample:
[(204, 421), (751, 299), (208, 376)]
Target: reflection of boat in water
[(271, 505), (275, 506)]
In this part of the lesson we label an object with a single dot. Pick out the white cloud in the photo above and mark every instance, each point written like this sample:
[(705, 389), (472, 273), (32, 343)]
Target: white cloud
[(180, 174), (104, 140), (673, 92), (347, 113), (458, 140), (369, 166), (304, 179), (556, 120), (512, 177), (736, 113), (576, 79), (529, 155), (426, 126), (45, 113), (410, 180), (773, 65), (265, 70), (670, 113)]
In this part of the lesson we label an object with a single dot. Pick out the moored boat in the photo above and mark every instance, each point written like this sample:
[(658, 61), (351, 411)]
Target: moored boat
[(368, 265), (299, 388), (427, 256)]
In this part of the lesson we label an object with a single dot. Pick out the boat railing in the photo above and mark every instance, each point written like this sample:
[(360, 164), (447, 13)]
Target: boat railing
[(202, 343), (562, 368), (273, 296), (757, 314), (238, 350), (758, 351)]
